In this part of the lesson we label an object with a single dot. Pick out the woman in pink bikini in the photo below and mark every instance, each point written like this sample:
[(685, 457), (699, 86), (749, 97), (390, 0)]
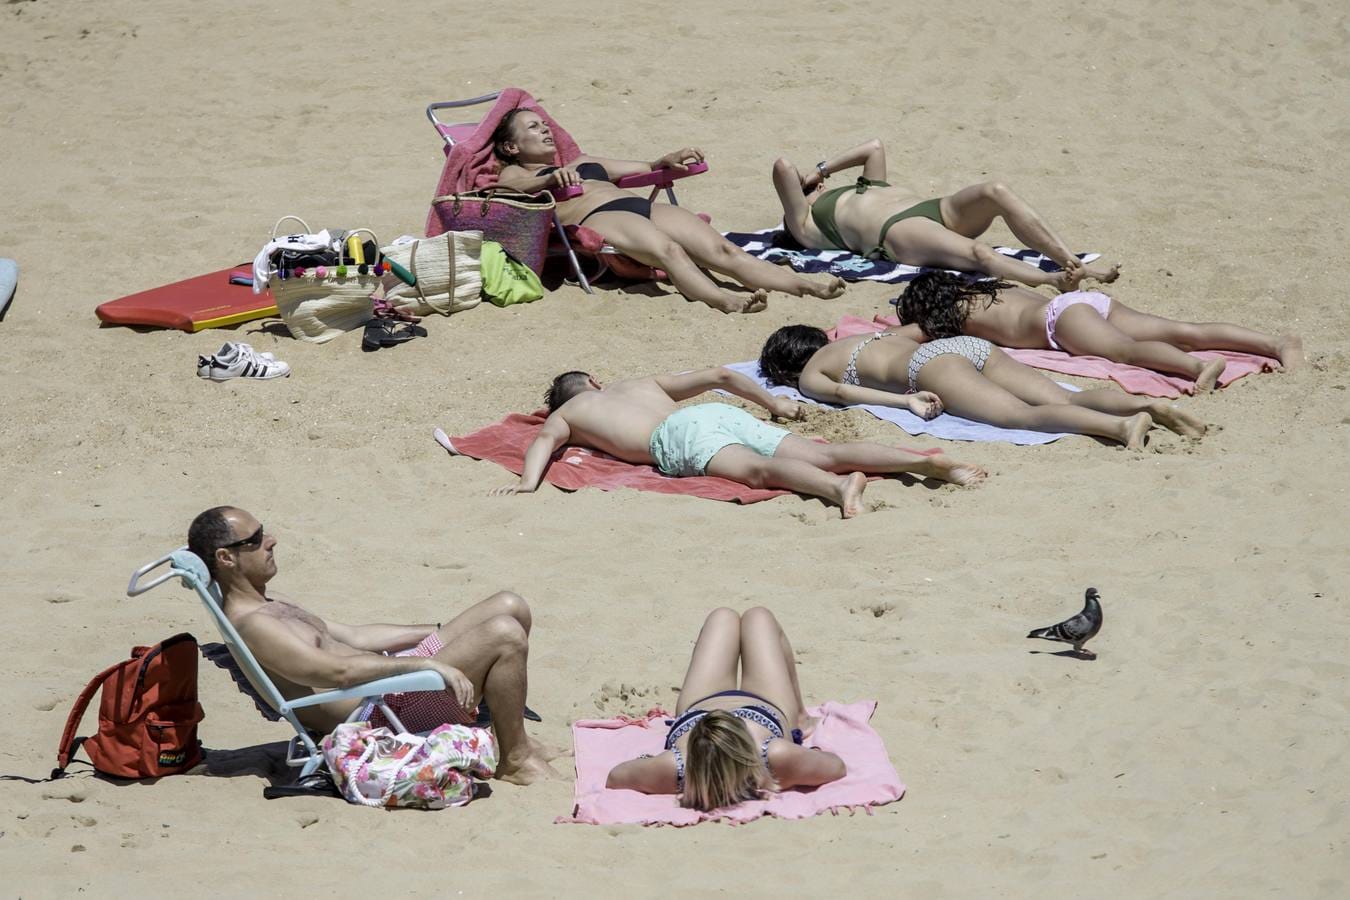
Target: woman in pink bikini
[(1083, 323)]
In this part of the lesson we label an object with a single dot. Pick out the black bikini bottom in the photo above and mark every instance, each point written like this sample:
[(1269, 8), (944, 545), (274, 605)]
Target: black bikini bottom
[(640, 205)]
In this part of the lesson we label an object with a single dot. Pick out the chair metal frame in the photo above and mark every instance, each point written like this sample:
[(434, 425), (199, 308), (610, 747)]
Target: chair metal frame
[(189, 567)]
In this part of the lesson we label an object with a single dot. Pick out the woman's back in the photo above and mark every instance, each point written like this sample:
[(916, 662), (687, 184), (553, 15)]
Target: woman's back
[(879, 360)]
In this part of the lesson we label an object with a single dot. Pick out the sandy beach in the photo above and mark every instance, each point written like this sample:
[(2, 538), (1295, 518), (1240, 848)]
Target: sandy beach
[(1202, 147)]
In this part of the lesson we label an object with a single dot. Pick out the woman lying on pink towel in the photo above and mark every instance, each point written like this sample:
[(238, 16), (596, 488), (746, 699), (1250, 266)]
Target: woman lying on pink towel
[(967, 376), (728, 742), (1082, 323), (656, 234)]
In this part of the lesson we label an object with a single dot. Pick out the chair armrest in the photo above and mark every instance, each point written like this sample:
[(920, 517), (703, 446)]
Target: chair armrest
[(567, 193), (426, 680), (661, 178)]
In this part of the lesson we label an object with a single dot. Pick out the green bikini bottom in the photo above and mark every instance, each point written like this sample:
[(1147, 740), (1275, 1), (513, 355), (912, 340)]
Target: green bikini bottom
[(822, 213)]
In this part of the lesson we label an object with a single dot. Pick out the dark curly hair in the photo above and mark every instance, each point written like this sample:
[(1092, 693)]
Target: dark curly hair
[(564, 388), (787, 352), (502, 134), (939, 302)]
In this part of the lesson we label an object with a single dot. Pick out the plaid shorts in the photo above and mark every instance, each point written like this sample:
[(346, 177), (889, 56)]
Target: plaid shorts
[(421, 710)]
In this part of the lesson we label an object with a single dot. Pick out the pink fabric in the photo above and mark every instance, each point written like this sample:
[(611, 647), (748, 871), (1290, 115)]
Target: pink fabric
[(422, 710), (1131, 378), (1060, 302), (470, 164), (601, 744), (505, 444)]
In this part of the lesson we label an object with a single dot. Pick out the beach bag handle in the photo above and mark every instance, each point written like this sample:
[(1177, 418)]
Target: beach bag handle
[(302, 222), (350, 769)]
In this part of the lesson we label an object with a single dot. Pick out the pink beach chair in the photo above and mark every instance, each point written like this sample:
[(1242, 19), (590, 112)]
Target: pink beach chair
[(588, 240)]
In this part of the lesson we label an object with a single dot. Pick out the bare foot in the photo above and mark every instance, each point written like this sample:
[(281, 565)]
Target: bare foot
[(1067, 280), (1291, 352), (1104, 274), (850, 495), (1209, 375), (946, 469), (826, 290), (527, 771), (1174, 418), (1133, 431)]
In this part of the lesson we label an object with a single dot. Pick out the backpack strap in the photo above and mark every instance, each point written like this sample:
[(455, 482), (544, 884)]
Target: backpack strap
[(69, 743)]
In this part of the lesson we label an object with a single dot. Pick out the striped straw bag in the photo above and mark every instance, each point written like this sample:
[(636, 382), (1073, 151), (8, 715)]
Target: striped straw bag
[(447, 273), (519, 222)]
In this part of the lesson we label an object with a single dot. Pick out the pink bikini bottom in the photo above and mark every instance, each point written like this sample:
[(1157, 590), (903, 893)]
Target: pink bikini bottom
[(1055, 308)]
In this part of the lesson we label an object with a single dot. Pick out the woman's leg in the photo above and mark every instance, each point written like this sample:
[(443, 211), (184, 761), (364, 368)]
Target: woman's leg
[(972, 395), (1030, 386), (923, 242), (715, 660), (879, 459), (767, 666), (744, 466), (638, 237), (970, 211), (712, 251), (1082, 331), (1288, 349)]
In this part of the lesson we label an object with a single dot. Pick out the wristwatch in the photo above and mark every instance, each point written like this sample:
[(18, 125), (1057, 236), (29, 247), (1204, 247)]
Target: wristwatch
[(824, 172)]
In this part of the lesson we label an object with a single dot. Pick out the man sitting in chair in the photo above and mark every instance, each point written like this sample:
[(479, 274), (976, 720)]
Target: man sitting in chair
[(480, 653)]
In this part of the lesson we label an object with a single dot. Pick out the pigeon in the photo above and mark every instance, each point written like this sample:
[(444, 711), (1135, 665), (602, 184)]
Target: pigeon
[(1078, 630)]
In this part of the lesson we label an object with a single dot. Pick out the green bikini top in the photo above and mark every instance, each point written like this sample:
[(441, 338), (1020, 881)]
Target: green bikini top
[(822, 211)]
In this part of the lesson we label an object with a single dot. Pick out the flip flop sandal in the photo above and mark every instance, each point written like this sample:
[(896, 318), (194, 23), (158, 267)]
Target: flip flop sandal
[(388, 332)]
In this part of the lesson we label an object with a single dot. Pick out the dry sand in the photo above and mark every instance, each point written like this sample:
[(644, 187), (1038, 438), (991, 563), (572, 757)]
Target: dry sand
[(1203, 146)]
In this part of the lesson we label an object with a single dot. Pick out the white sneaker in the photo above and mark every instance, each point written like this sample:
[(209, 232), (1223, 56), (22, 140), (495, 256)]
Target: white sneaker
[(240, 361)]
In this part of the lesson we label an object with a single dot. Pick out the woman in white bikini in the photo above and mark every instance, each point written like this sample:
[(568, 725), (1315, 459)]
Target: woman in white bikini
[(1083, 323), (965, 375), (733, 741), (657, 234)]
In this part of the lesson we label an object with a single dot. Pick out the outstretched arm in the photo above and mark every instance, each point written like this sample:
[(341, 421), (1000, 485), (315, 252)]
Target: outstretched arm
[(552, 435), (650, 775), (679, 160), (794, 766), (691, 384), (819, 386)]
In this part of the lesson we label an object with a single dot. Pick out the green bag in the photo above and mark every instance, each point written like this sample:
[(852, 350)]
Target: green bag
[(507, 280)]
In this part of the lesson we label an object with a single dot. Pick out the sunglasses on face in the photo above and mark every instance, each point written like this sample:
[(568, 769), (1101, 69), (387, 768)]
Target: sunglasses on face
[(252, 542)]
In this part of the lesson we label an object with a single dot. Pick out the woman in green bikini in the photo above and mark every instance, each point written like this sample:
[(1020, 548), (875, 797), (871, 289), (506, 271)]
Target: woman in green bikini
[(873, 218)]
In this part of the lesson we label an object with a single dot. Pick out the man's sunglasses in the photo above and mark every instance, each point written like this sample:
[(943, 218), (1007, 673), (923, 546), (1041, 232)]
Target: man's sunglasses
[(252, 542)]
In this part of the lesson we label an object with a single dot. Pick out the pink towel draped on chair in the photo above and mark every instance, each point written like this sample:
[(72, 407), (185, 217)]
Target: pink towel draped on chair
[(471, 165), (1132, 378), (845, 729)]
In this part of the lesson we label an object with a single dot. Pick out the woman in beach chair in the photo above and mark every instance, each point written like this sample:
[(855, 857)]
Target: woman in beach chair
[(964, 375), (656, 234), (871, 217), (1082, 323), (732, 742)]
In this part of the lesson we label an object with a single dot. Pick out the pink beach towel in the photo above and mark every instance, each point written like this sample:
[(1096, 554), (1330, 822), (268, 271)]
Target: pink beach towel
[(505, 444), (1131, 378), (601, 744), (470, 164)]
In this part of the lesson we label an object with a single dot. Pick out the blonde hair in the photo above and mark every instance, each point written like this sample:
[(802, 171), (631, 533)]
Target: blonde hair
[(722, 764)]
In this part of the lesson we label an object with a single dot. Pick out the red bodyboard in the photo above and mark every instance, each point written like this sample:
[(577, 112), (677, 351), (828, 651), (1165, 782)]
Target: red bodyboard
[(207, 301)]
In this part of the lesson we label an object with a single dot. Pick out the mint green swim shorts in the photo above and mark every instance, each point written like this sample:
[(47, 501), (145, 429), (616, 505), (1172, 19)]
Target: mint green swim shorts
[(689, 438)]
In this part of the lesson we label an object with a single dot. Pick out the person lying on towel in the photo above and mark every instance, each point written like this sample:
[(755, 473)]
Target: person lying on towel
[(871, 217), (657, 234), (964, 375), (1081, 323), (480, 653), (636, 421), (732, 742)]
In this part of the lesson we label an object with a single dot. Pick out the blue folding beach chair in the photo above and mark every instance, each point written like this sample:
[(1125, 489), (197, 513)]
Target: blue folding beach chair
[(302, 751)]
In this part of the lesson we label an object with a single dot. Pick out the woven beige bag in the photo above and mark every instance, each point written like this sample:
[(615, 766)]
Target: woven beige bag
[(447, 269), (318, 308)]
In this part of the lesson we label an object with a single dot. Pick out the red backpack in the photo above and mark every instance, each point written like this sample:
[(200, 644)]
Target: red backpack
[(147, 716)]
